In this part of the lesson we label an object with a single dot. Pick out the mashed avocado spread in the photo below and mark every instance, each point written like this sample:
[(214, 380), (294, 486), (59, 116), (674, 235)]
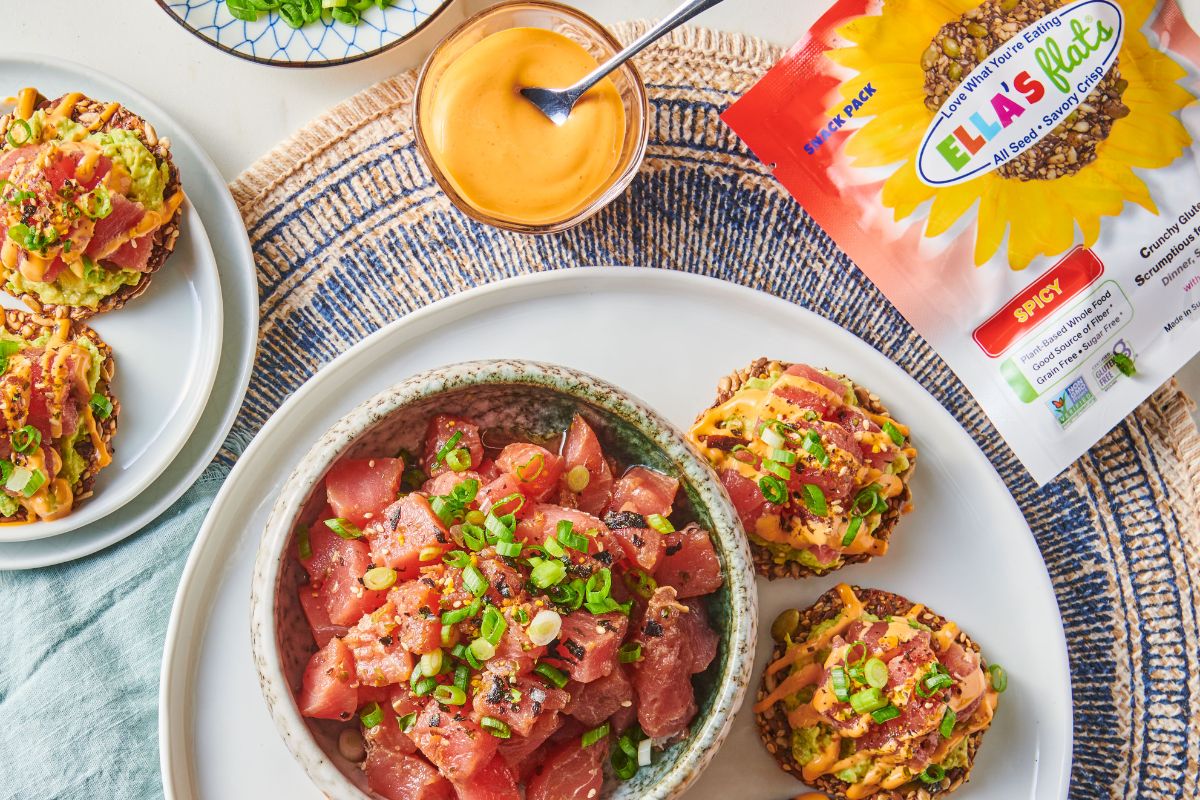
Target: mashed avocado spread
[(808, 743), (68, 289), (149, 177)]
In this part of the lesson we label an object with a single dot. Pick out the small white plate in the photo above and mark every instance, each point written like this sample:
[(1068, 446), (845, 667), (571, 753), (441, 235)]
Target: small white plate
[(167, 344), (667, 337)]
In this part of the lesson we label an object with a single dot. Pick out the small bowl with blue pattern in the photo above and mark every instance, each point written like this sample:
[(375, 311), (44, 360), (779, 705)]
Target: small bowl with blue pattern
[(540, 400), (304, 33)]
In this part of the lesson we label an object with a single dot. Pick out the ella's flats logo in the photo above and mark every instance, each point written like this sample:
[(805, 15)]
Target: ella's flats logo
[(1021, 92)]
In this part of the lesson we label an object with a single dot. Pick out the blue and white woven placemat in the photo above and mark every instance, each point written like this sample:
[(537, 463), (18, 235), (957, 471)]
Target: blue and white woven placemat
[(350, 232)]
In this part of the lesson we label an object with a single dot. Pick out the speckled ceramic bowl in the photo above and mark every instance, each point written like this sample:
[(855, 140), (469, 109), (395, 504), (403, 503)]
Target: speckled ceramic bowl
[(515, 396)]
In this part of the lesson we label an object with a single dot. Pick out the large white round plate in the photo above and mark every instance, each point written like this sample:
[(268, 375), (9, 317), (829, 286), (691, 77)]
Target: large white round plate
[(183, 349), (667, 337)]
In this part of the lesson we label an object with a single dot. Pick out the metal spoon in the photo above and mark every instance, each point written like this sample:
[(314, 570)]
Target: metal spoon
[(557, 103)]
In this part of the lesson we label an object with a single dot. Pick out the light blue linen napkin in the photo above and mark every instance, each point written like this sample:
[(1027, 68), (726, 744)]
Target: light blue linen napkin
[(79, 669)]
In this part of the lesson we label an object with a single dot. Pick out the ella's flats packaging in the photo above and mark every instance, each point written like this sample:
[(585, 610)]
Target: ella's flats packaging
[(1020, 178)]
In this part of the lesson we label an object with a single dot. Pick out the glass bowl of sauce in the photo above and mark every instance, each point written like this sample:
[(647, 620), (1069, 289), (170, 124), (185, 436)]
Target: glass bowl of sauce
[(493, 153)]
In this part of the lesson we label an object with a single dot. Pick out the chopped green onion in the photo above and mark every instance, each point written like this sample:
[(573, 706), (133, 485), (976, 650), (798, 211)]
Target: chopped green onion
[(893, 433), (999, 677), (495, 727), (589, 738), (578, 478), (868, 500), (569, 595), (866, 700), (457, 558), (344, 528), (857, 674), (521, 616), (948, 721), (379, 578), (773, 489), (460, 614), (876, 672), (640, 582), (26, 135), (882, 715), (599, 585), (772, 436), (493, 625), (303, 545), (932, 774), (26, 439), (532, 469), (554, 676), (482, 649), (25, 481), (604, 606), (407, 722), (785, 457), (371, 715), (474, 536), (424, 686), (101, 406), (779, 470), (547, 574), (459, 459), (841, 684), (852, 531), (552, 546), (575, 541), (660, 523), (431, 662), (474, 581), (544, 628), (814, 498), (510, 549), (447, 636), (629, 653), (625, 765), (445, 449), (449, 695), (462, 676), (812, 445)]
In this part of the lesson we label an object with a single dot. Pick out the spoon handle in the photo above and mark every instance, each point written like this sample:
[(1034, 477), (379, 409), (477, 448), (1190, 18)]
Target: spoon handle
[(669, 23)]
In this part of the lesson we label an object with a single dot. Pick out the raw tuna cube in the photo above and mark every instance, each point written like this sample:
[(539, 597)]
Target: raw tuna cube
[(387, 734), (570, 772), (522, 752), (398, 776), (418, 624), (326, 690), (542, 523), (701, 638), (535, 469), (689, 563), (408, 527), (453, 742), (663, 676), (379, 657), (593, 703), (359, 489), (441, 429), (587, 644), (317, 615), (643, 546), (582, 448), (518, 704), (644, 491), (494, 781)]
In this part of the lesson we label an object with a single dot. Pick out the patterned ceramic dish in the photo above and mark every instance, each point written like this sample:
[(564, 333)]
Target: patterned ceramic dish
[(270, 40), (513, 395)]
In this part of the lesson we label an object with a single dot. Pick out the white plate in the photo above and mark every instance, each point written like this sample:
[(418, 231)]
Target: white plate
[(667, 337), (167, 343)]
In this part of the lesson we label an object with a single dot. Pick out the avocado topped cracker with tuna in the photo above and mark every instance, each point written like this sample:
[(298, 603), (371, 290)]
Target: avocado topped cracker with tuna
[(89, 203), (869, 695), (815, 465), (58, 412)]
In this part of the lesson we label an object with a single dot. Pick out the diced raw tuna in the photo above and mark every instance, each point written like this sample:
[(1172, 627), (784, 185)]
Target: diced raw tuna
[(586, 647), (500, 491), (701, 638), (443, 484), (522, 751), (408, 527), (440, 431), (342, 590), (570, 772), (690, 563), (746, 496), (398, 776), (418, 624), (644, 491), (818, 377), (379, 656), (359, 489), (516, 654), (494, 781), (326, 690), (643, 546), (535, 469), (458, 747), (593, 703), (662, 678), (495, 698), (387, 734), (542, 523), (582, 448), (125, 215), (317, 615), (9, 159)]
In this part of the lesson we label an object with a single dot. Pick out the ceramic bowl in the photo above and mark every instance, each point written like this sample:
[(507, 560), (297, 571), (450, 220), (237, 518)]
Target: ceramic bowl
[(539, 399)]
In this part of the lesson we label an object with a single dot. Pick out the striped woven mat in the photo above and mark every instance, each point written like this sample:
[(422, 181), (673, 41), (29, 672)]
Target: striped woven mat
[(350, 232)]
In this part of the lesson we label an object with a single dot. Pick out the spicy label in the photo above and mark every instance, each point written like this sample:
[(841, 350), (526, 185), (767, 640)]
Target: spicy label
[(1021, 92)]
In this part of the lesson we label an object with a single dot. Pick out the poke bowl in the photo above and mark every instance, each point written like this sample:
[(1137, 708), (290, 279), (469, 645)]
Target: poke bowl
[(503, 573)]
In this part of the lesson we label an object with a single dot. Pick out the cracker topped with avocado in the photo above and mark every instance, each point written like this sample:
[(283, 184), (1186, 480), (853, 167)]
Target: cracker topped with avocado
[(58, 415), (90, 204), (815, 465), (869, 695)]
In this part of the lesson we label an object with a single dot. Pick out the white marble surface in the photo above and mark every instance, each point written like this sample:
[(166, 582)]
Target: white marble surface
[(238, 109)]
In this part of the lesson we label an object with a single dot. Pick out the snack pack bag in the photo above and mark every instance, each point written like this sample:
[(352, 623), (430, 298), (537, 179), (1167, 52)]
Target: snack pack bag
[(1020, 178)]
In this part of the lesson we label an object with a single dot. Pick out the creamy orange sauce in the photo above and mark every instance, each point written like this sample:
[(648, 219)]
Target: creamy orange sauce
[(501, 154)]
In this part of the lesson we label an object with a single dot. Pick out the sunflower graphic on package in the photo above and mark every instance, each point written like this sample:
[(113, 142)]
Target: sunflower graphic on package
[(968, 133)]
